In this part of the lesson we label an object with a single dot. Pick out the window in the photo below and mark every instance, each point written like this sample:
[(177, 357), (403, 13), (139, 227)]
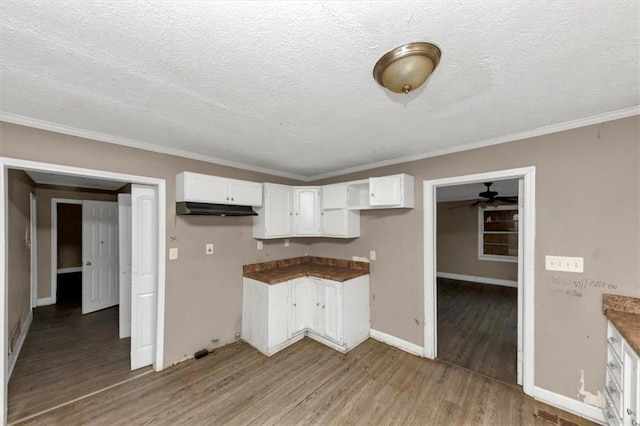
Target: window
[(498, 233)]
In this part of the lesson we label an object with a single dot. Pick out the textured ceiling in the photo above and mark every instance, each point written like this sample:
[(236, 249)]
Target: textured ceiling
[(287, 86)]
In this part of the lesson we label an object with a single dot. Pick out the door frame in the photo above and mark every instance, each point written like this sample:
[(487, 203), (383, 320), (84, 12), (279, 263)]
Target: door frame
[(33, 248), (526, 260), (52, 299), (160, 184)]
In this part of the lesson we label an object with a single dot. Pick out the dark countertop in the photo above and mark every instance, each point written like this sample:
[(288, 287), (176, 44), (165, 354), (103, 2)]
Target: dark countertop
[(279, 271), (624, 314)]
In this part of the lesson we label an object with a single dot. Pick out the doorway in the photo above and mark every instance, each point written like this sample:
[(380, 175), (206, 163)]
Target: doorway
[(148, 205), (477, 277), (525, 276)]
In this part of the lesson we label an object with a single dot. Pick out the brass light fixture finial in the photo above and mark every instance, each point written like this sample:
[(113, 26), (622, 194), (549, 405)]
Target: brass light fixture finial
[(405, 68)]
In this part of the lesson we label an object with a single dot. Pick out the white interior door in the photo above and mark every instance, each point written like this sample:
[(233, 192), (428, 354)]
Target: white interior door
[(124, 248), (100, 255), (144, 260)]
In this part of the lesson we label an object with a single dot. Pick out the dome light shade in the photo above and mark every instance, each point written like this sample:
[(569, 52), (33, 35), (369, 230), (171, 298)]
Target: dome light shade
[(407, 67)]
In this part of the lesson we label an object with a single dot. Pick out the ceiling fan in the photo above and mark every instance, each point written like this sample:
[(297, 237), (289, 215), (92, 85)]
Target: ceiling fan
[(489, 197)]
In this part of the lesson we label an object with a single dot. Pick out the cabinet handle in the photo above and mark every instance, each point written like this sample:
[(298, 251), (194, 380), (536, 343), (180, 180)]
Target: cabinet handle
[(633, 422), (297, 214), (612, 389), (232, 198), (294, 304), (612, 365), (290, 214), (631, 413), (322, 306), (322, 213), (372, 194), (317, 304), (227, 198), (613, 339), (609, 415)]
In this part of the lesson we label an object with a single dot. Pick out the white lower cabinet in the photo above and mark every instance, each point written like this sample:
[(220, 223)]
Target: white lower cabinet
[(622, 387), (333, 313)]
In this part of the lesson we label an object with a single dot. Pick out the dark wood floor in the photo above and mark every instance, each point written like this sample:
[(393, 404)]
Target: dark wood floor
[(307, 383), (478, 327), (67, 355)]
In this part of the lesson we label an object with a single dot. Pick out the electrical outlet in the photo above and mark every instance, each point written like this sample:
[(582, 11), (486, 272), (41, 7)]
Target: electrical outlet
[(260, 245), (286, 242), (372, 255), (565, 264), (173, 253), (209, 249)]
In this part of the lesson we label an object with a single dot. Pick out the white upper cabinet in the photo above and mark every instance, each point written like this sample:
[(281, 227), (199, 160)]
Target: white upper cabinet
[(335, 196), (275, 217), (392, 191), (245, 193), (307, 211), (340, 223), (201, 188)]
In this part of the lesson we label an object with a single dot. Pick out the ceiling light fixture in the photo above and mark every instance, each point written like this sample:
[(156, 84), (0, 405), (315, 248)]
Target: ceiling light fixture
[(405, 68)]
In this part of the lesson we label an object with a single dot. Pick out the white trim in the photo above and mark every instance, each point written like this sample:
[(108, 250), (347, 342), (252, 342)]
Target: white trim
[(476, 279), (33, 249), (4, 290), (513, 137), (409, 347), (571, 405), (54, 244), (69, 270), (526, 257), (44, 301), (102, 137), (13, 358), (5, 164), (541, 131)]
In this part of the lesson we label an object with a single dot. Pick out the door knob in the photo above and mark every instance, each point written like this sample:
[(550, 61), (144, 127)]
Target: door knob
[(87, 263)]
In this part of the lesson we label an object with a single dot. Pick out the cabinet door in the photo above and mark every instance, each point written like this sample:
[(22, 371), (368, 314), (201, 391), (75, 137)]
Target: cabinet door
[(315, 305), (244, 193), (307, 208), (385, 191), (631, 386), (277, 327), (278, 210), (334, 222), (206, 189), (299, 301), (335, 196), (332, 310)]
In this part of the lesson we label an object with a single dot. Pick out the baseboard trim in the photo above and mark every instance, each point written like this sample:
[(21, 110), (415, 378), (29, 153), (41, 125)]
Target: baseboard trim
[(23, 335), (69, 270), (475, 279), (409, 347), (571, 405), (46, 301)]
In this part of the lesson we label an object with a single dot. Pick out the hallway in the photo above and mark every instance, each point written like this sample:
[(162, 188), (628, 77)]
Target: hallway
[(67, 355)]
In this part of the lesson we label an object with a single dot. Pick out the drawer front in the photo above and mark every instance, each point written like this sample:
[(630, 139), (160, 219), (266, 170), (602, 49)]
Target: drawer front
[(615, 339), (610, 412), (614, 393), (614, 366)]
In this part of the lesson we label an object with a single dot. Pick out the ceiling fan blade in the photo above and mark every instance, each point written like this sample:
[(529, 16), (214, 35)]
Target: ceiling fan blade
[(457, 206), (509, 200), (472, 205)]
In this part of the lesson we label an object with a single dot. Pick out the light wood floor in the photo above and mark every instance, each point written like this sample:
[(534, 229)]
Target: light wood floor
[(478, 327), (67, 355), (307, 383)]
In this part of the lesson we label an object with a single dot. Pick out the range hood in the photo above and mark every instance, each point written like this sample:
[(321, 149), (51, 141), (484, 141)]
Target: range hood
[(202, 209)]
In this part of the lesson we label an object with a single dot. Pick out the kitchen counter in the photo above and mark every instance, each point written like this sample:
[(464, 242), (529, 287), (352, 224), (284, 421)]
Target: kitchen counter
[(278, 271), (624, 314)]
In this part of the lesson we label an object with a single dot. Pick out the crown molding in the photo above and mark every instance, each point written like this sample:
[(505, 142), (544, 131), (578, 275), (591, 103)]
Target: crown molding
[(541, 131), (513, 137), (102, 137)]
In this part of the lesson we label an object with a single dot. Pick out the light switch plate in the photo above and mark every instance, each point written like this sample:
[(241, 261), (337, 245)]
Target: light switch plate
[(286, 242), (564, 263), (260, 245), (209, 249), (372, 255), (173, 253)]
